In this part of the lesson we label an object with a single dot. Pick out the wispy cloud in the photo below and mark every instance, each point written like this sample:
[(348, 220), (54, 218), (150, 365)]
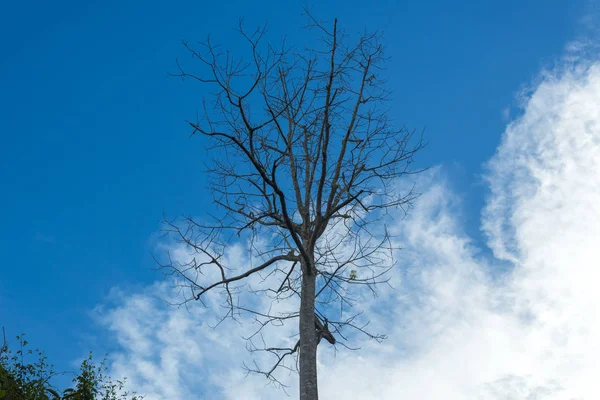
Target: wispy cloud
[(457, 328)]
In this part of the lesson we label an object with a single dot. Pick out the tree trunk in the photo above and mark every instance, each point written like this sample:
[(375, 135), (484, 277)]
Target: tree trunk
[(308, 337)]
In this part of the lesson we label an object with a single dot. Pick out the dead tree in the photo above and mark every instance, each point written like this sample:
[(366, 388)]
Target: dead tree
[(306, 162)]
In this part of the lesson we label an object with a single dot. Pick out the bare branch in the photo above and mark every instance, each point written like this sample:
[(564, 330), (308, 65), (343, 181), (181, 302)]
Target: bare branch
[(305, 171)]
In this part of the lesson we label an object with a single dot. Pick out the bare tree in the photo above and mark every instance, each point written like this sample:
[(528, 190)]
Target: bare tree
[(306, 162)]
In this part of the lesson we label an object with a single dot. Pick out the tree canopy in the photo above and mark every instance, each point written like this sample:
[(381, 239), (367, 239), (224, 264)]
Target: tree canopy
[(25, 374)]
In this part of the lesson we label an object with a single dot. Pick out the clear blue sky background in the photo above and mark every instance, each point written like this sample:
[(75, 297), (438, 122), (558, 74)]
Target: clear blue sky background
[(93, 144)]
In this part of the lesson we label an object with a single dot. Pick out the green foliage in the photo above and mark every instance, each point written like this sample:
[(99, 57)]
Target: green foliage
[(20, 380), (24, 380)]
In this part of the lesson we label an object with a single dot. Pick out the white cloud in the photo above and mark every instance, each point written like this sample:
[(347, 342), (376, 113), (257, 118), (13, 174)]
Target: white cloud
[(455, 332)]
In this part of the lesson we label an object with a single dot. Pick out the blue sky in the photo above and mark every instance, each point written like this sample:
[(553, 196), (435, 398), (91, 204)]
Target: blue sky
[(94, 147)]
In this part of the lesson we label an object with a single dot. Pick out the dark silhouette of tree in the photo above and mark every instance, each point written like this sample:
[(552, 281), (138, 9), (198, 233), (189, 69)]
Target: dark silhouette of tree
[(305, 167), (21, 379)]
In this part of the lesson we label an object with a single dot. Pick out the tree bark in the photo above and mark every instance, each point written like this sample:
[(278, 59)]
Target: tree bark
[(308, 336)]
